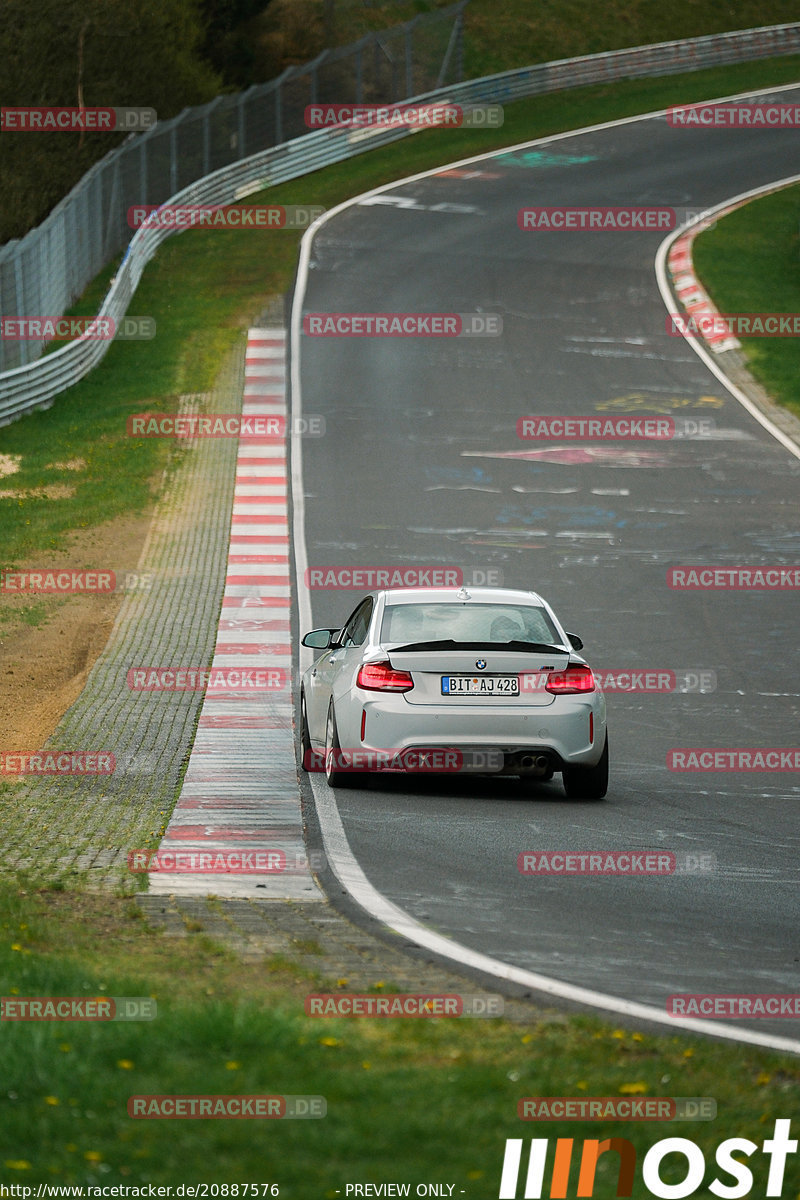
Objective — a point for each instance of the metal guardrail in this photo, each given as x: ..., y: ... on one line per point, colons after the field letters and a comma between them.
x: 37, y: 384
x: 44, y: 271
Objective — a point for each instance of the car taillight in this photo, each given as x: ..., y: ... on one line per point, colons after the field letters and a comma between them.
x: 382, y: 677
x: 574, y: 679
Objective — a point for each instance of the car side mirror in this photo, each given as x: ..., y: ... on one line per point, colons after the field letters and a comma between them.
x: 575, y: 641
x: 319, y: 639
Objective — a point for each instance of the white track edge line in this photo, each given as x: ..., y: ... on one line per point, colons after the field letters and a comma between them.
x: 352, y: 877
x: 337, y: 848
x: 661, y: 270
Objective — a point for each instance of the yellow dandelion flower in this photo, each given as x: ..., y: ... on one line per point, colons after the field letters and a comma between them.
x: 632, y: 1089
x: 125, y: 1064
x: 763, y: 1078
x: 329, y: 1041
x: 93, y: 1156
x: 17, y: 1164
x: 52, y: 1100
x: 233, y: 1066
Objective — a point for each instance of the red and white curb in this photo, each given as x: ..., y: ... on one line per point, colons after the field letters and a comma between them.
x: 239, y: 806
x: 686, y: 285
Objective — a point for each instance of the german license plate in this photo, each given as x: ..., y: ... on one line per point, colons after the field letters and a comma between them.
x: 480, y: 685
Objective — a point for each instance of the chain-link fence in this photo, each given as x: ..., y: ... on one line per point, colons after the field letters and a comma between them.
x: 36, y: 384
x: 44, y: 272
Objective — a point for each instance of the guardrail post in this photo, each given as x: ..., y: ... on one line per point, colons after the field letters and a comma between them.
x: 313, y: 69
x: 144, y: 145
x: 21, y: 307
x: 409, y: 48
x: 279, y: 82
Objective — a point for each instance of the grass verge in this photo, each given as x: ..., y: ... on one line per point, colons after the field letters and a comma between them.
x: 750, y: 263
x: 401, y: 1095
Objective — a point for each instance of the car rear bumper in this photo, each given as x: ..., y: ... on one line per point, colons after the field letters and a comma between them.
x: 561, y: 732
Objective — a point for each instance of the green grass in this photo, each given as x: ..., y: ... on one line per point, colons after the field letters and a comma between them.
x: 34, y: 614
x: 516, y: 32
x: 203, y: 289
x: 750, y: 263
x: 416, y: 1101
x: 427, y: 1101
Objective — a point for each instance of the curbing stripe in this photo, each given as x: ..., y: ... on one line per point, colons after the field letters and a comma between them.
x: 242, y: 773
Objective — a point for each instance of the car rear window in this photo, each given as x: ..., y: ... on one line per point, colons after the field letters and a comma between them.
x: 405, y: 623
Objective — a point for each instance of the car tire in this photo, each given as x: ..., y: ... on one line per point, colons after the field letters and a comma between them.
x: 306, y: 749
x: 335, y: 776
x: 587, y: 783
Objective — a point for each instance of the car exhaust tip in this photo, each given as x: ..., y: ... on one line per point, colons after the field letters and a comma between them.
x: 535, y: 764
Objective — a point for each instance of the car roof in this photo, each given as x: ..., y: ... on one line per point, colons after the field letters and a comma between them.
x: 441, y: 595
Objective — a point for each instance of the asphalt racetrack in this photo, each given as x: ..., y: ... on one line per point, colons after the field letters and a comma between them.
x: 421, y: 465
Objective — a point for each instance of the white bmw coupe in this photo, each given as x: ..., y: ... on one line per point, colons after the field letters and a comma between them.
x: 479, y: 680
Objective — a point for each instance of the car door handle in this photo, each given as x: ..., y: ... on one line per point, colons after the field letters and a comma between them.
x: 313, y: 673
x: 332, y: 660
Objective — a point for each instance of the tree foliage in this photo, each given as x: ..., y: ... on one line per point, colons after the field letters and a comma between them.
x: 102, y: 52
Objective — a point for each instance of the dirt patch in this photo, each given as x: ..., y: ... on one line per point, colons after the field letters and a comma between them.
x: 50, y: 491
x: 9, y: 463
x: 72, y: 464
x: 49, y: 644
